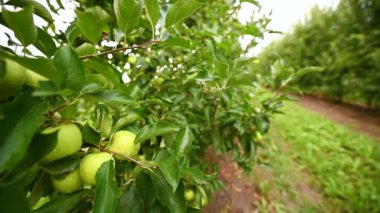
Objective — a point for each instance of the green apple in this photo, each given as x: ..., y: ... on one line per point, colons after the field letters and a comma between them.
x: 69, y: 142
x: 33, y: 79
x: 189, y: 195
x: 67, y: 183
x: 259, y: 137
x: 123, y: 142
x: 90, y: 165
x: 13, y: 79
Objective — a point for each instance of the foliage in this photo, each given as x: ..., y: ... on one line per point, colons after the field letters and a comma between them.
x: 175, y: 77
x: 345, y: 164
x: 344, y: 42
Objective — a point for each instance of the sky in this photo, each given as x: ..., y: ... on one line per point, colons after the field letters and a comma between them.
x: 285, y: 13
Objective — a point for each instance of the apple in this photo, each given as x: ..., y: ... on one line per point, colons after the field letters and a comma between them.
x: 123, y: 142
x: 259, y: 137
x: 33, y: 79
x: 189, y: 195
x: 69, y: 141
x: 13, y: 80
x: 67, y: 183
x: 90, y: 165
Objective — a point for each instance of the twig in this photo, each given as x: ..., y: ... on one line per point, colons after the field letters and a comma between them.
x: 129, y: 158
x: 143, y: 45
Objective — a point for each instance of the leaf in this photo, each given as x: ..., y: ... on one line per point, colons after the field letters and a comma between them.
x: 85, y: 49
x: 90, y: 135
x: 103, y: 67
x: 175, y: 201
x: 69, y: 64
x: 41, y: 66
x: 193, y: 173
x: 183, y: 141
x: 92, y: 22
x: 39, y: 9
x: 114, y: 96
x: 181, y: 10
x: 170, y: 169
x: 153, y: 11
x: 124, y: 121
x: 107, y: 193
x: 13, y: 199
x: 62, y: 165
x: 45, y: 43
x: 177, y: 41
x: 22, y: 24
x: 127, y: 14
x: 154, y: 130
x: 130, y: 201
x: 21, y: 120
x: 144, y: 187
x: 62, y: 203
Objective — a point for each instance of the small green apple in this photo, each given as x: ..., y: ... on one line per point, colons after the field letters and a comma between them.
x: 33, y: 79
x: 67, y: 183
x: 123, y: 142
x: 90, y: 165
x: 259, y: 137
x: 13, y: 80
x: 69, y: 142
x: 189, y: 195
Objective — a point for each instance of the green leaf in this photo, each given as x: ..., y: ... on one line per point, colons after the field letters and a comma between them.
x: 72, y: 33
x: 45, y: 43
x: 124, y: 121
x: 127, y: 14
x: 41, y: 66
x: 13, y: 199
x: 22, y: 24
x: 154, y: 130
x: 114, y: 96
x: 39, y: 9
x: 62, y: 203
x: 92, y: 22
x: 182, y: 142
x: 181, y: 10
x: 175, y: 201
x: 177, y: 41
x: 103, y: 67
x: 254, y: 2
x: 62, y: 165
x: 85, y: 49
x: 130, y: 201
x: 90, y: 135
x: 193, y: 173
x: 144, y: 187
x: 107, y: 193
x: 21, y: 120
x: 68, y: 63
x: 47, y: 88
x: 170, y: 169
x: 153, y: 11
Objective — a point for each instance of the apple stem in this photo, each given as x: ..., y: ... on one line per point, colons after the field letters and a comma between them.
x: 131, y: 159
x: 143, y: 45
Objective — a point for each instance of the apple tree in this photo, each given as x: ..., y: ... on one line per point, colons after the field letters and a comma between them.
x: 115, y: 113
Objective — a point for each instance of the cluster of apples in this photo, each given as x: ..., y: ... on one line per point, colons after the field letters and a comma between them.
x: 14, y: 77
x: 69, y: 142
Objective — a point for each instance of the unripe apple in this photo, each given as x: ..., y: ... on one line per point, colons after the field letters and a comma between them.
x: 11, y: 83
x: 259, y: 137
x: 189, y: 195
x: 67, y: 183
x: 33, y: 79
x: 123, y: 142
x: 90, y: 165
x: 69, y: 142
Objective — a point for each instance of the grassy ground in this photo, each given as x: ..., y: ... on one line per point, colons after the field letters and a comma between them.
x: 318, y: 166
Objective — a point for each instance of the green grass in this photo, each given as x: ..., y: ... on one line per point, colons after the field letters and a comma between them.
x: 343, y: 164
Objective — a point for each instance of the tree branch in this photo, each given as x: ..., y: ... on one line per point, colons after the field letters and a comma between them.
x: 129, y: 158
x: 143, y: 45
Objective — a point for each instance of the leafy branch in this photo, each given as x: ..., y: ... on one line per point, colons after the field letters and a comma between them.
x: 143, y: 45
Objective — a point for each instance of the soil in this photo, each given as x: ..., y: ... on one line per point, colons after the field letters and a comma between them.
x: 358, y: 118
x: 241, y: 195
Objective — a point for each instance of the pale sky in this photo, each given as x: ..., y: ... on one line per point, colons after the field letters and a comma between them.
x: 284, y: 14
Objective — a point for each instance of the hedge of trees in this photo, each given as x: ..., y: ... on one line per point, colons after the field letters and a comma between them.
x: 344, y: 42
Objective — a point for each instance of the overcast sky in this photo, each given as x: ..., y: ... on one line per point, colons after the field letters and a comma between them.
x: 284, y: 14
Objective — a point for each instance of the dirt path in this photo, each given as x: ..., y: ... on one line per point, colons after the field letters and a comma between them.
x: 363, y: 120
